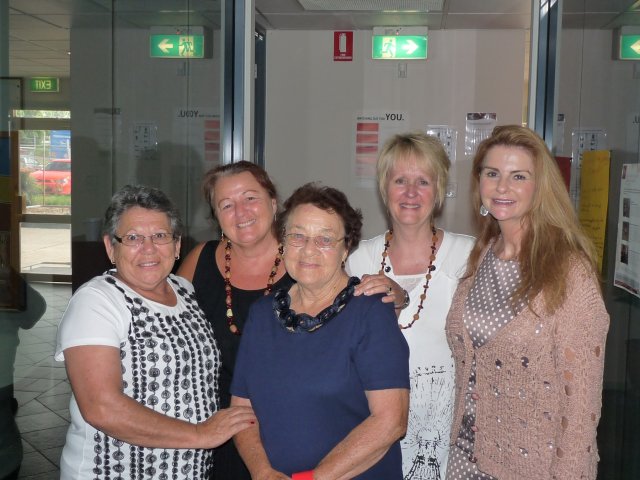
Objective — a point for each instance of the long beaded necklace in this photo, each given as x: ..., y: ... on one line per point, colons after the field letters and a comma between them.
x: 430, y: 269
x: 233, y: 328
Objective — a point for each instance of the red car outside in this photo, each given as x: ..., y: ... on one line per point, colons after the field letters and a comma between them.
x: 55, y: 178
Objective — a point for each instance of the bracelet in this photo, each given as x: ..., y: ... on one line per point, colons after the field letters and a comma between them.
x: 308, y: 475
x: 406, y: 302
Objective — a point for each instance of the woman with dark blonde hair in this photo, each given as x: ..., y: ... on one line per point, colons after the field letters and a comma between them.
x: 229, y: 274
x: 527, y: 325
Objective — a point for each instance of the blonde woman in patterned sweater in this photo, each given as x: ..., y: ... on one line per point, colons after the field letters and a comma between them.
x: 527, y: 325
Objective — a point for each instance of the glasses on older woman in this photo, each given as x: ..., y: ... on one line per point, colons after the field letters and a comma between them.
x: 135, y: 240
x: 323, y: 242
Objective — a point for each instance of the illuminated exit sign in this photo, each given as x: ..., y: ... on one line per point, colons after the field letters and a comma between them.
x: 629, y: 47
x: 176, y: 46
x: 399, y: 47
x: 44, y: 84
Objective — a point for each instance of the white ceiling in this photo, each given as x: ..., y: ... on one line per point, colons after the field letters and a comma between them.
x: 39, y: 29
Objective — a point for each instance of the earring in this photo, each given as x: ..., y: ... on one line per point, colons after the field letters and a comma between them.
x: 178, y: 257
x: 483, y: 211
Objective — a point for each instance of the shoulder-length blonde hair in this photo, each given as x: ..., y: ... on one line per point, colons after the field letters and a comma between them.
x: 552, y: 235
x: 427, y: 151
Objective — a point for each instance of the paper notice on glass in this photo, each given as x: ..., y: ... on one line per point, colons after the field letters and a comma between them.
x: 627, y: 273
x: 478, y: 127
x: 448, y: 135
x: 594, y: 195
x: 372, y: 131
x: 200, y: 129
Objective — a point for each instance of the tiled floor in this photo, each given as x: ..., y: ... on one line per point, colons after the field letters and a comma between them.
x: 42, y: 389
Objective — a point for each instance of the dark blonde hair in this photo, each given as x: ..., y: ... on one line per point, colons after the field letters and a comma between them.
x: 260, y: 174
x: 552, y: 235
x: 212, y: 176
x: 427, y: 151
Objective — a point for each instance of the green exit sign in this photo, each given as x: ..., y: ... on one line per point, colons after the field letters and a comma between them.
x: 399, y: 47
x: 177, y: 46
x: 44, y: 84
x: 629, y: 47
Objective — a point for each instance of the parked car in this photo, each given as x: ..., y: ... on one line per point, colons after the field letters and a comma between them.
x: 55, y: 177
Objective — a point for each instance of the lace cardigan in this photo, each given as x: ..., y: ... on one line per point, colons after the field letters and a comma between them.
x: 539, y: 382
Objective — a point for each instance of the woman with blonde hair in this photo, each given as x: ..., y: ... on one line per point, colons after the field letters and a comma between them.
x: 417, y: 266
x: 527, y: 325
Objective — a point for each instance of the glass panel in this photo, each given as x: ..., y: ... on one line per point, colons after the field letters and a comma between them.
x: 599, y: 107
x: 45, y: 171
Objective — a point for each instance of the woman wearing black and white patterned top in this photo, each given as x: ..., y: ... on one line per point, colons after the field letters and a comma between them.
x: 141, y: 357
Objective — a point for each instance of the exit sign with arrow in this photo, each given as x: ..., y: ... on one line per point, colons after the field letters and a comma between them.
x: 629, y: 47
x: 399, y: 47
x: 176, y: 46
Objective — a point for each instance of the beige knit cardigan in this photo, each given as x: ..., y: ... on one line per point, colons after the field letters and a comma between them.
x: 539, y: 381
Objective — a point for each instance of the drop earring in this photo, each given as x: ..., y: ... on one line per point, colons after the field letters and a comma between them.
x: 483, y: 211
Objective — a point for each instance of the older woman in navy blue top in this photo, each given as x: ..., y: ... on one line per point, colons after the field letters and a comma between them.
x: 325, y: 372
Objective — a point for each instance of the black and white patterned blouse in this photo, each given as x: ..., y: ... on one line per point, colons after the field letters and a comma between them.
x: 170, y: 364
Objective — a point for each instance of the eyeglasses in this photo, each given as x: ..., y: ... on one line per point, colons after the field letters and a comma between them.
x: 135, y: 240
x: 323, y: 242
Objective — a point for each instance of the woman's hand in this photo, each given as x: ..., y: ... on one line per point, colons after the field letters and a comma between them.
x: 379, y: 283
x: 251, y: 449
x: 224, y: 424
x: 271, y: 475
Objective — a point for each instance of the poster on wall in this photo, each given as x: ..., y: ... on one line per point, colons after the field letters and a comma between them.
x: 594, y: 194
x: 627, y: 272
x: 479, y: 126
x: 448, y: 135
x: 372, y: 130
x: 200, y: 129
x: 583, y: 140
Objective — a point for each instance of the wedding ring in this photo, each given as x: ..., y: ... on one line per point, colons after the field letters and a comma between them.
x: 389, y: 290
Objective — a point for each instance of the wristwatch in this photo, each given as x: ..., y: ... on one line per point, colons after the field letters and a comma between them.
x: 406, y: 302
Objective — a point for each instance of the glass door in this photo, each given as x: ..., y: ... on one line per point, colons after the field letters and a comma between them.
x: 599, y: 109
x: 46, y: 188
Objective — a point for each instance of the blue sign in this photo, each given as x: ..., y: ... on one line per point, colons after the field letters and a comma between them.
x: 60, y: 146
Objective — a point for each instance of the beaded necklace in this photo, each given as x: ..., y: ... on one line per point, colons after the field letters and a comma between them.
x: 233, y: 328
x: 430, y: 268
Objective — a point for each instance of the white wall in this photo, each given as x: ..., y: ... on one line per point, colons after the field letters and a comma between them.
x: 312, y: 102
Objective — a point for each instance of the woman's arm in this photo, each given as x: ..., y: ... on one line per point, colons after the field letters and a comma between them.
x: 368, y: 442
x: 579, y: 352
x: 251, y: 450
x: 96, y: 380
x: 188, y: 265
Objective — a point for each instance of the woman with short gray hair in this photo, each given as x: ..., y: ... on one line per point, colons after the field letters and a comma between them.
x: 141, y: 357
